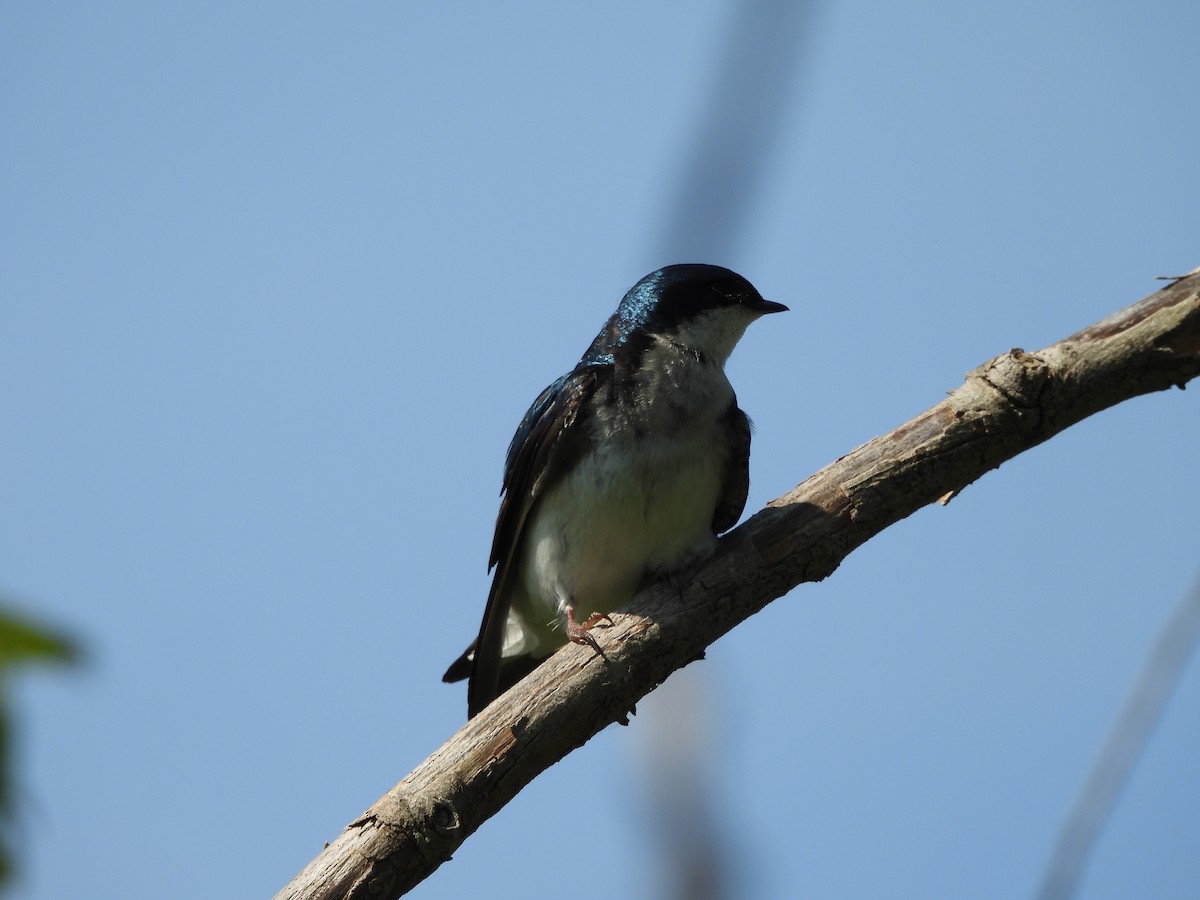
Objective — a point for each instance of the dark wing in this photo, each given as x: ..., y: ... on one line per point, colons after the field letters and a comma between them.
x: 736, y: 486
x: 506, y: 528
x: 549, y: 440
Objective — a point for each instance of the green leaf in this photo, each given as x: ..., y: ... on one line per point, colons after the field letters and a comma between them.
x: 21, y: 641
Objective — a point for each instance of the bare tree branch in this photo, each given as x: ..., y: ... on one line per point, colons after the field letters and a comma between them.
x: 1007, y: 405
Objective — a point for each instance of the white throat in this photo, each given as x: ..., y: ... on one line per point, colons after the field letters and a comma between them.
x: 714, y: 334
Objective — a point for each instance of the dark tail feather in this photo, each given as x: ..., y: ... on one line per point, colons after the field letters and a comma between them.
x: 460, y: 669
x: 512, y: 671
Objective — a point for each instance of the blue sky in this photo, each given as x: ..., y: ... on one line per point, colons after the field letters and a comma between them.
x: 279, y: 281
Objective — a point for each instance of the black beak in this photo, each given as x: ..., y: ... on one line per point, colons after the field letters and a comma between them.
x: 767, y: 306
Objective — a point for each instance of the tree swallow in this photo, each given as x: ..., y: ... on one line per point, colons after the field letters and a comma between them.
x: 624, y: 470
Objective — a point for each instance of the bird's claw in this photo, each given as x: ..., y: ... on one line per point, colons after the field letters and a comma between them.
x: 577, y: 632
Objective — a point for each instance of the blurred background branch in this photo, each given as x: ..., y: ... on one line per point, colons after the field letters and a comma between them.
x: 1122, y: 749
x: 758, y: 73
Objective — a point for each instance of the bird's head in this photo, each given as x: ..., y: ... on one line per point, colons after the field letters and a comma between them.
x: 701, y: 307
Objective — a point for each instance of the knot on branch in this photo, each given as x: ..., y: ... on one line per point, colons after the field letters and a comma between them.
x: 1005, y: 394
x: 428, y: 825
x: 1017, y: 376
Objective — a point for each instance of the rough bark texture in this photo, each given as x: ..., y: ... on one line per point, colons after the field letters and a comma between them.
x: 1007, y: 405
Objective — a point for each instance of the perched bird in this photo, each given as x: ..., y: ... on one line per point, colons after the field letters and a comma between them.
x: 623, y: 470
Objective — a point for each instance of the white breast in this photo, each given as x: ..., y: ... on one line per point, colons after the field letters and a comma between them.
x: 639, y: 506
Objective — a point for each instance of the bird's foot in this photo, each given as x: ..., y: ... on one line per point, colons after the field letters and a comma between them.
x: 577, y: 632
